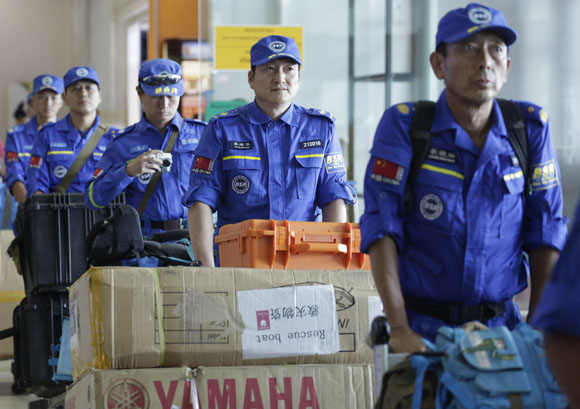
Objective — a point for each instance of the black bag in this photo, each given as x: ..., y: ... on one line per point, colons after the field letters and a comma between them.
x: 116, y: 238
x: 15, y: 250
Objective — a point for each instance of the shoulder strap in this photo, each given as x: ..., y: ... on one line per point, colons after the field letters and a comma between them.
x: 421, y: 138
x: 157, y: 175
x: 517, y: 136
x: 81, y: 158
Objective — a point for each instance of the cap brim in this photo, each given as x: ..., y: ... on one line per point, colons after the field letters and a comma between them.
x: 58, y: 91
x: 508, y: 35
x: 175, y: 90
x: 275, y: 57
x: 82, y: 79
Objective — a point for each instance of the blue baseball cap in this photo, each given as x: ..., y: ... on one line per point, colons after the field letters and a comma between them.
x: 272, y: 47
x: 461, y: 23
x: 161, y: 77
x: 47, y: 81
x: 80, y: 73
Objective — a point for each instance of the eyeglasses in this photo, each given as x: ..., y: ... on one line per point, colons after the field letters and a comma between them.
x: 157, y: 80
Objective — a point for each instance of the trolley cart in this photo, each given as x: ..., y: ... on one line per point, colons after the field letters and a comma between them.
x: 379, y: 337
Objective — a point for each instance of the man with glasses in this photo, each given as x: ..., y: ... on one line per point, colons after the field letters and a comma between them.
x: 456, y: 252
x: 270, y: 159
x: 66, y: 153
x: 46, y: 101
x: 156, y: 151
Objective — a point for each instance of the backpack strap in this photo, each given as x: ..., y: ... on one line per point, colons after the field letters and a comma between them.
x: 421, y: 138
x: 81, y: 159
x: 157, y: 175
x: 517, y: 136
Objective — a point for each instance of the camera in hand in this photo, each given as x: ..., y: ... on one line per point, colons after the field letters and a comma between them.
x: 167, y: 160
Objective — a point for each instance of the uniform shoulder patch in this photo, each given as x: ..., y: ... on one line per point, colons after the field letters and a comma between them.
x: 227, y: 114
x: 123, y: 131
x: 533, y: 112
x: 405, y: 108
x: 46, y: 125
x: 16, y: 128
x: 320, y: 112
x: 195, y: 121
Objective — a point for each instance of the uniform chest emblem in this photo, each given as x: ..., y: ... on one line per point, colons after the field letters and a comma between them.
x: 144, y: 178
x: 431, y: 206
x: 59, y: 171
x: 240, y: 184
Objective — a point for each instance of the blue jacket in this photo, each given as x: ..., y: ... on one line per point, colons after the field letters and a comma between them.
x: 54, y: 151
x: 251, y: 167
x: 19, y: 142
x: 462, y: 241
x: 111, y: 179
x: 558, y: 309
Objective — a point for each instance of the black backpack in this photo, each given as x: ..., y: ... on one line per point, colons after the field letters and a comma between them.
x: 421, y: 138
x: 115, y: 238
x: 120, y: 238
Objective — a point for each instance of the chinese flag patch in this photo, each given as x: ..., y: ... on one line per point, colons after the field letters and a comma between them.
x: 387, y: 172
x: 35, y: 161
x: 203, y: 165
x: 97, y: 173
x: 11, y: 156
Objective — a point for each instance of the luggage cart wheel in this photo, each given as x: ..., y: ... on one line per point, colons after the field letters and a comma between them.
x: 380, y: 331
x: 380, y: 335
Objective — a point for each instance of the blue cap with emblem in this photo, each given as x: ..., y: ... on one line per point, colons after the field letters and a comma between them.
x: 272, y: 47
x: 161, y: 77
x: 79, y: 74
x: 47, y: 81
x: 458, y: 24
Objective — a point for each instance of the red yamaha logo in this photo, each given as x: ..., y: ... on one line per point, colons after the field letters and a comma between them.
x: 127, y: 393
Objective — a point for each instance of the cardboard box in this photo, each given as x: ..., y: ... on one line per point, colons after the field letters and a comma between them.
x: 259, y: 387
x: 123, y: 317
x: 11, y: 292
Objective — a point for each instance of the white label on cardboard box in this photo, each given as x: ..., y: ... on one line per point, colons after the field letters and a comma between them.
x: 74, y: 328
x: 375, y: 308
x: 288, y: 321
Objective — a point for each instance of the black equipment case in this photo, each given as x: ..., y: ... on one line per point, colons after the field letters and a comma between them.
x: 37, y: 329
x: 55, y: 228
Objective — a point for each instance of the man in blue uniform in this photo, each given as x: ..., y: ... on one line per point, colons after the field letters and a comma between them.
x: 270, y: 159
x: 58, y: 144
x: 458, y: 254
x: 130, y: 161
x: 46, y: 101
x: 557, y: 315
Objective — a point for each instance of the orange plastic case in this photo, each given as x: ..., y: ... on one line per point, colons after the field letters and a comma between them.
x: 282, y: 244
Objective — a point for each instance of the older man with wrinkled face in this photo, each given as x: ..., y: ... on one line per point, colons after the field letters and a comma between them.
x: 447, y: 244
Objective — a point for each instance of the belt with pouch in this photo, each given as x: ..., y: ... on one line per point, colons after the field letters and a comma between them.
x: 455, y: 313
x: 165, y: 225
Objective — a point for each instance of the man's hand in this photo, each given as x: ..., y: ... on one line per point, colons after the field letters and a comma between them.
x: 404, y: 339
x: 147, y: 162
x: 19, y: 191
